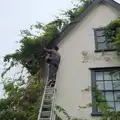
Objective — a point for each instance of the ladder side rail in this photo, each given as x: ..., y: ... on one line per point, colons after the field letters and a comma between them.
x: 53, y: 104
x: 40, y: 110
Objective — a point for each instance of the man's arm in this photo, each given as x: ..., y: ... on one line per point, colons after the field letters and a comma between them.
x: 49, y: 51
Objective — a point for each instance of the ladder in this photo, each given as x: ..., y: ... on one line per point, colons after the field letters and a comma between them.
x: 46, y: 111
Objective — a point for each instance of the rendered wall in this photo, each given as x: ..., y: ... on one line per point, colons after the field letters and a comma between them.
x: 74, y: 74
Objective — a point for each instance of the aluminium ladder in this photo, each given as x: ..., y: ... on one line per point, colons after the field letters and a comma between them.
x: 46, y: 111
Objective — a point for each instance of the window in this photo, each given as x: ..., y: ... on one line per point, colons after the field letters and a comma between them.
x: 100, y: 41
x: 107, y: 82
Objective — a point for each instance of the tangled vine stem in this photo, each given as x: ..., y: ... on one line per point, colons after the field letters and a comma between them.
x: 86, y: 89
x: 112, y: 32
x: 59, y: 110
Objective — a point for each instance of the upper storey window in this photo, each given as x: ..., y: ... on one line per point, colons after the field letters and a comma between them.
x: 101, y: 43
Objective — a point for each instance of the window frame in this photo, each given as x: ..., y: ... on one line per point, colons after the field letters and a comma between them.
x: 93, y: 84
x: 96, y: 43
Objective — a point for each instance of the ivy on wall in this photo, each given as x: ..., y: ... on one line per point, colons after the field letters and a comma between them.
x: 112, y: 32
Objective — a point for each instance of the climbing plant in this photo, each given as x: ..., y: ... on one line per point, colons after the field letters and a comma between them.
x: 107, y: 112
x: 21, y: 102
x: 23, y: 95
x: 59, y: 110
x: 112, y: 32
x: 31, y: 54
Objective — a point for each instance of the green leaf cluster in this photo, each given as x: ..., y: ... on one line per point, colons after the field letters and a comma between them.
x: 23, y: 97
x: 31, y: 54
x: 112, y: 32
x: 72, y: 14
x: 21, y: 102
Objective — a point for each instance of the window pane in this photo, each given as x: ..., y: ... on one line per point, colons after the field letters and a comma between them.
x: 114, y: 47
x: 98, y: 107
x: 111, y: 106
x: 116, y: 75
x: 101, y: 46
x: 100, y: 32
x: 116, y: 85
x: 101, y: 39
x: 99, y: 75
x: 109, y: 96
x: 108, y: 85
x: 107, y: 76
x: 100, y: 85
x: 100, y: 97
x: 99, y: 110
x: 117, y: 106
x: 109, y: 40
x: 117, y: 96
x: 108, y: 45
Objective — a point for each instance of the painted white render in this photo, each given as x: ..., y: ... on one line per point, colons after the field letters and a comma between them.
x: 74, y: 74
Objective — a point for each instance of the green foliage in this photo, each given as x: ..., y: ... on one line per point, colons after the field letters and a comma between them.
x: 59, y: 110
x: 102, y: 106
x: 31, y: 54
x: 21, y: 102
x: 112, y: 32
x: 107, y: 112
x: 22, y: 97
x: 72, y: 14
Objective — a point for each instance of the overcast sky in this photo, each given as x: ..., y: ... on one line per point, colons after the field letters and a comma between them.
x: 16, y: 15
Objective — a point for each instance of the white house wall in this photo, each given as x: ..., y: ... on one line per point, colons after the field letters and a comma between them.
x: 74, y: 74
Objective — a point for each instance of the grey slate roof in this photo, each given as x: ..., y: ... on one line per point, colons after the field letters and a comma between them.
x: 67, y: 30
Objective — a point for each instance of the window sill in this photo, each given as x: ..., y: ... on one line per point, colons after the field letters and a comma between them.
x: 96, y: 114
x: 105, y: 50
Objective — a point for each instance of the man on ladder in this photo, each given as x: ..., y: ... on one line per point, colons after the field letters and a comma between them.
x: 53, y: 60
x: 47, y: 105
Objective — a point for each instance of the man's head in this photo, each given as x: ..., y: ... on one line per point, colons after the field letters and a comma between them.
x: 56, y: 48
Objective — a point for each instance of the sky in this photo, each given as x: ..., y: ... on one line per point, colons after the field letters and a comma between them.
x: 17, y: 15
x: 20, y: 14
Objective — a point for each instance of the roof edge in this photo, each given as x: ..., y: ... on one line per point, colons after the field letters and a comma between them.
x: 113, y: 3
x: 69, y: 28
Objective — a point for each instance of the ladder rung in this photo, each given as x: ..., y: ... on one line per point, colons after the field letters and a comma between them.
x: 48, y: 96
x: 48, y: 100
x: 46, y: 108
x: 50, y: 88
x: 45, y: 114
x: 48, y: 93
x: 44, y: 119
